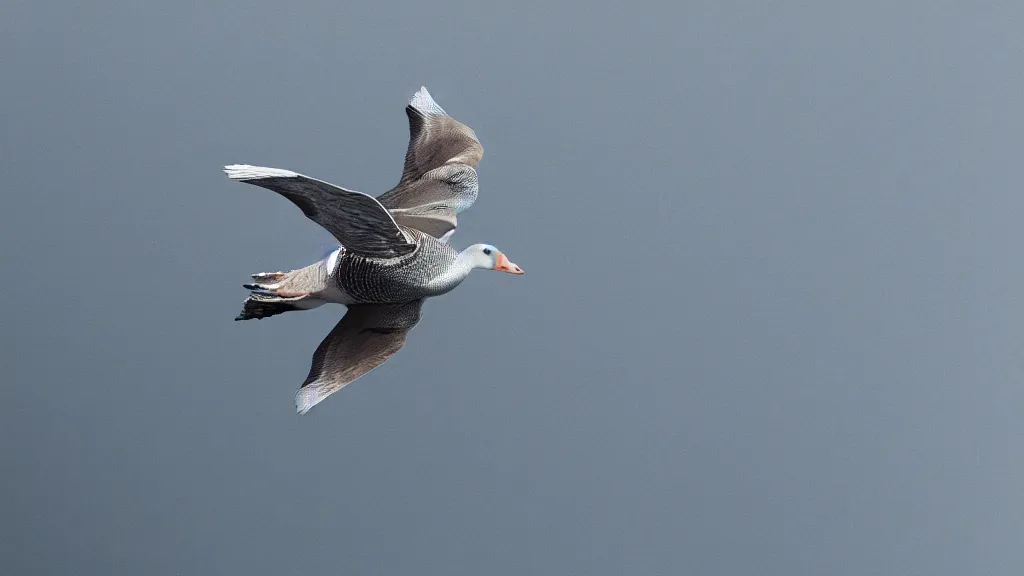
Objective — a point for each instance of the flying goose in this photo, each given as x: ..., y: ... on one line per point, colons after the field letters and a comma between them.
x: 393, y: 251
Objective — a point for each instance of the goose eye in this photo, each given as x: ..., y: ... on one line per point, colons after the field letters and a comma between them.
x: 487, y: 251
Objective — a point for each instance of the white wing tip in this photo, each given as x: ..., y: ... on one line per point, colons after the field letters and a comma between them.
x: 307, y: 397
x: 424, y: 102
x: 247, y: 172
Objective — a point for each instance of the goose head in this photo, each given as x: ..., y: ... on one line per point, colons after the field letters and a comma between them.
x: 489, y: 258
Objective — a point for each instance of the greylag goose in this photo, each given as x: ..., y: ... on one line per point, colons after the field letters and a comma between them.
x: 393, y: 251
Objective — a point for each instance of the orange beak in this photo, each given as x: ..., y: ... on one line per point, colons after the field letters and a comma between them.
x: 505, y: 265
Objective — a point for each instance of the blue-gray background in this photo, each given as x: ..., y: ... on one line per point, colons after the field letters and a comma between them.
x: 771, y: 321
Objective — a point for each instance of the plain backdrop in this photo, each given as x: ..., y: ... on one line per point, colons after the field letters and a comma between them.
x: 771, y: 321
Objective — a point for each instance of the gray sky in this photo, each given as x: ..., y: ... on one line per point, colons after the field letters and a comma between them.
x: 771, y: 322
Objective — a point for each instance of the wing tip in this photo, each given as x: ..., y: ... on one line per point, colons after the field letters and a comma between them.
x: 248, y: 172
x: 307, y: 397
x: 424, y: 103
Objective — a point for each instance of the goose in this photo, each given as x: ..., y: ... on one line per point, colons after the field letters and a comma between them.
x: 393, y: 250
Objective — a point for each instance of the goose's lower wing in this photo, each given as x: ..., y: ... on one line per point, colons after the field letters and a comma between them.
x: 366, y: 337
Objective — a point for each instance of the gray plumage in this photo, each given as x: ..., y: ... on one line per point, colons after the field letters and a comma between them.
x: 439, y: 179
x: 426, y: 272
x: 277, y: 292
x: 393, y: 252
x: 357, y: 220
x: 366, y: 337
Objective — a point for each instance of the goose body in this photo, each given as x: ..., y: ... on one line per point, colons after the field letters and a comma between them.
x: 432, y: 269
x: 393, y: 252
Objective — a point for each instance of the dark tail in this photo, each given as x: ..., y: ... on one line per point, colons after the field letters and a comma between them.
x: 259, y: 305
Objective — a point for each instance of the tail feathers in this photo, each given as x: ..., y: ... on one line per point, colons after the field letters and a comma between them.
x: 277, y: 292
x: 269, y: 277
x: 259, y: 305
x: 267, y: 282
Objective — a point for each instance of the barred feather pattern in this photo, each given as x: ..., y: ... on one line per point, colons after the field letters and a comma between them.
x: 403, y: 279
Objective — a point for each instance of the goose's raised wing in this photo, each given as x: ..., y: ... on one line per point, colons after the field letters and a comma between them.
x: 357, y: 220
x: 435, y: 138
x: 431, y: 203
x: 439, y: 179
x: 366, y: 337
